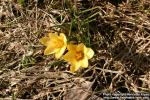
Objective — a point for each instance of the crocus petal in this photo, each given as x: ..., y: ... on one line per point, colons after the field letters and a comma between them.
x: 71, y: 47
x: 63, y: 37
x: 75, y: 66
x: 90, y: 53
x: 80, y: 47
x: 69, y: 56
x: 55, y: 43
x: 53, y: 35
x: 72, y: 69
x: 50, y: 50
x: 60, y: 52
x: 84, y: 62
x: 45, y: 41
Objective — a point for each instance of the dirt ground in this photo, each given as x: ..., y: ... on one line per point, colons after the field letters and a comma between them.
x: 118, y: 32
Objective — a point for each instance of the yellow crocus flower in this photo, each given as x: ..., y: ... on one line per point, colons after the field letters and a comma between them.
x: 78, y: 56
x: 54, y: 44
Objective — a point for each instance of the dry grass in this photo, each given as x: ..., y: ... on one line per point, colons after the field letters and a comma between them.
x: 119, y: 33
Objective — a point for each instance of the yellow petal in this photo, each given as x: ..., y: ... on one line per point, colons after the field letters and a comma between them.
x: 60, y: 52
x: 84, y: 62
x: 71, y: 47
x: 50, y: 50
x: 55, y: 43
x: 63, y: 37
x: 53, y: 35
x: 75, y: 67
x: 80, y: 47
x: 72, y: 69
x: 45, y: 40
x: 69, y: 56
x: 90, y: 53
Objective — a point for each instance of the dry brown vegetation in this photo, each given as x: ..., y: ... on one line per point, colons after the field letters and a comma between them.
x: 118, y: 32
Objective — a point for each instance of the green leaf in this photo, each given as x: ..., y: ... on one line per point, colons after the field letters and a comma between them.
x: 21, y: 2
